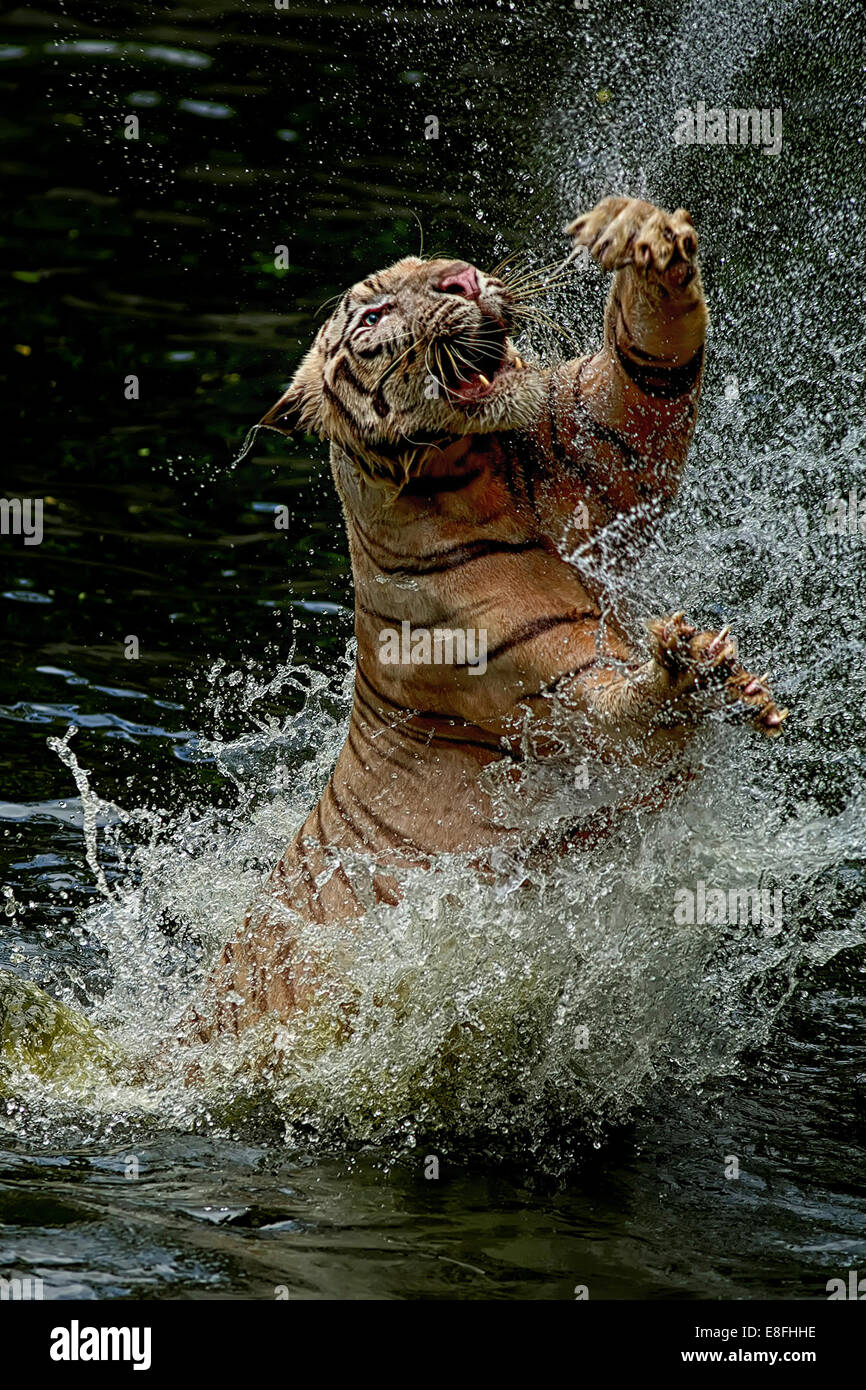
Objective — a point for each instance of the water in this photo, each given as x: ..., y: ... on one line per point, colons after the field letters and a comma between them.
x: 582, y: 1068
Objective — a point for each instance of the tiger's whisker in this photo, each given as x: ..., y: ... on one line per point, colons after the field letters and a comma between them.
x: 392, y: 366
x: 536, y: 316
x: 498, y: 269
x: 430, y: 372
x: 546, y: 282
x: 457, y: 370
x: 332, y: 299
x: 535, y: 272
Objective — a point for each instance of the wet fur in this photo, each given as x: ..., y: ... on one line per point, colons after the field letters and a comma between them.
x: 465, y: 509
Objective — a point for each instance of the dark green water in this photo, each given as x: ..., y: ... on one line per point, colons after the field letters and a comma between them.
x: 155, y: 258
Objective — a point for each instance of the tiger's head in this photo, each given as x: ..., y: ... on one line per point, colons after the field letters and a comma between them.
x: 412, y: 357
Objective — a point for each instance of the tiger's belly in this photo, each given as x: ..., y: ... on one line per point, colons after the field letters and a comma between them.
x: 473, y: 631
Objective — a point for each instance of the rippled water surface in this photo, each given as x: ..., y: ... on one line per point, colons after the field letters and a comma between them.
x: 130, y: 848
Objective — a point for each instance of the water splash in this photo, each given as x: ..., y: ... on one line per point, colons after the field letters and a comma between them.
x: 558, y: 998
x: 551, y: 1001
x: 91, y: 806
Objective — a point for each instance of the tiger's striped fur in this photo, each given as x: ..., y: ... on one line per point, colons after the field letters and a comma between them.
x: 461, y: 472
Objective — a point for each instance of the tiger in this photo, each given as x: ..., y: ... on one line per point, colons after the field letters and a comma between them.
x: 467, y: 476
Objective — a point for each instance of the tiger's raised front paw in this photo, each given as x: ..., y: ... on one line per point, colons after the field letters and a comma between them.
x: 705, y: 661
x: 619, y: 232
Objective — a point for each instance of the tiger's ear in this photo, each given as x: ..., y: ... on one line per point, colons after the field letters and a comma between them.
x: 299, y: 408
x: 285, y: 416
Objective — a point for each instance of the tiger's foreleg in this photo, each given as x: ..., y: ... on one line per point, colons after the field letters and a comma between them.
x: 656, y: 316
x: 641, y: 389
x: 687, y: 673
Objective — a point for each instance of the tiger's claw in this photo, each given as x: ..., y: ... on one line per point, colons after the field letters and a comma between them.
x: 699, y: 661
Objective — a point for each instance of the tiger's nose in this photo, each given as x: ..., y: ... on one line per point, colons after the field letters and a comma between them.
x: 463, y: 282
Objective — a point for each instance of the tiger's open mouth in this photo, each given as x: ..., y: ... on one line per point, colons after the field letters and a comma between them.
x: 471, y: 365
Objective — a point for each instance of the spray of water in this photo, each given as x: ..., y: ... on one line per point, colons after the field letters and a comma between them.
x: 555, y: 999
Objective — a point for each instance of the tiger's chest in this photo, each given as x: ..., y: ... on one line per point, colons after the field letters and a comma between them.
x: 468, y: 599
